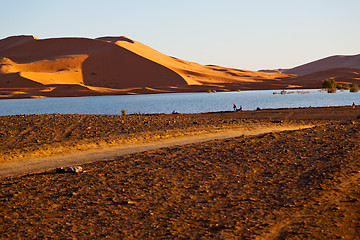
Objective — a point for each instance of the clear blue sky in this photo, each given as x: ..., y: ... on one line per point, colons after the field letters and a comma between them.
x: 252, y: 34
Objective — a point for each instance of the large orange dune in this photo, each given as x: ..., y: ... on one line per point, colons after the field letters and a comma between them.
x: 31, y: 67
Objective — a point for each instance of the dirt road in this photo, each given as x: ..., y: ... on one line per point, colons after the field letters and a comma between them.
x: 82, y: 157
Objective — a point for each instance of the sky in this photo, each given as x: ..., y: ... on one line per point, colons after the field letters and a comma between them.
x: 244, y: 34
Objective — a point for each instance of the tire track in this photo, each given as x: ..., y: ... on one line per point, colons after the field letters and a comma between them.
x: 41, y: 164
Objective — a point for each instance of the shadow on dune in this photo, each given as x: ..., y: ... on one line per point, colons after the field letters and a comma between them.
x: 117, y: 67
x: 14, y: 80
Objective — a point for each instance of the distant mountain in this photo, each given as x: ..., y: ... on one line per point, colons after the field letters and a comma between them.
x: 338, y: 61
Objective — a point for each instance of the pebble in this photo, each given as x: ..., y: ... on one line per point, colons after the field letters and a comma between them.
x: 74, y: 169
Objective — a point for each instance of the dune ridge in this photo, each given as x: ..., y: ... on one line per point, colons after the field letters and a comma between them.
x: 56, y: 67
x: 324, y: 64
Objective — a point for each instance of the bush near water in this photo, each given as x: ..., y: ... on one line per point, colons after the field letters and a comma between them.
x: 354, y: 87
x: 331, y: 86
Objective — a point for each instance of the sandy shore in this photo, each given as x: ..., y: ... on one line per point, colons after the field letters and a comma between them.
x: 301, y: 184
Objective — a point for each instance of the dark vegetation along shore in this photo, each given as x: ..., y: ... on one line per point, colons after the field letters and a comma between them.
x: 301, y: 184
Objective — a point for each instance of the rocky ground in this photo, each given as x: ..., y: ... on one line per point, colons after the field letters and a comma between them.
x: 288, y: 185
x: 26, y: 136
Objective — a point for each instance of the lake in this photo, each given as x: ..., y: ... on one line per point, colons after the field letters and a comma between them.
x: 180, y: 102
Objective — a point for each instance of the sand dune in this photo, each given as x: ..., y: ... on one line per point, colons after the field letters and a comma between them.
x: 338, y: 61
x: 342, y: 75
x: 30, y: 67
x: 95, y: 65
x: 193, y: 73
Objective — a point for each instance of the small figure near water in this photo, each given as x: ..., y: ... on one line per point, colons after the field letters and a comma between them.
x: 237, y: 109
x: 353, y: 105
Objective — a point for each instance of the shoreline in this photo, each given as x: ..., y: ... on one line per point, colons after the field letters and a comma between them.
x: 32, y: 136
x: 180, y: 113
x: 145, y: 91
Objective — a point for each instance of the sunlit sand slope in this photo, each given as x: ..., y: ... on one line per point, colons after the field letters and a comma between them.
x: 55, y: 67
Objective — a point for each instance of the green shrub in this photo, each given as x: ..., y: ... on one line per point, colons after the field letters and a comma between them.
x: 354, y: 87
x: 346, y: 86
x: 331, y: 90
x: 329, y: 83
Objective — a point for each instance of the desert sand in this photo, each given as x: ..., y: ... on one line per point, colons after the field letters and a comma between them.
x: 324, y: 64
x: 58, y: 67
x: 299, y: 184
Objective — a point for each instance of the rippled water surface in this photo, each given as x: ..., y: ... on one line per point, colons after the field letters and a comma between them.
x: 180, y: 102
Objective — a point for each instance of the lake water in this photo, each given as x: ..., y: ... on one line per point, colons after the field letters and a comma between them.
x: 180, y: 102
